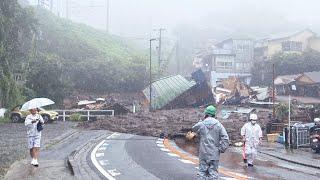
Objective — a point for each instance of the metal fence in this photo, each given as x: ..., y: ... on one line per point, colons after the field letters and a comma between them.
x: 85, y: 113
x: 301, y: 137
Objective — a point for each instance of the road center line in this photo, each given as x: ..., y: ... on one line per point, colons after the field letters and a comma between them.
x: 95, y: 162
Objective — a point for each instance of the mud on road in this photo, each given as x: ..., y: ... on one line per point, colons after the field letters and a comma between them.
x: 168, y: 122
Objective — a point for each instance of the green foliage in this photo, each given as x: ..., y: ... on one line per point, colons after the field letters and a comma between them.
x: 17, y: 28
x: 285, y: 64
x: 84, y: 59
x: 4, y: 120
x: 282, y: 111
x: 75, y: 117
x: 59, y: 56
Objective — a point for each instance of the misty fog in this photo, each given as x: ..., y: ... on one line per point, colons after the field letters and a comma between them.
x: 250, y: 18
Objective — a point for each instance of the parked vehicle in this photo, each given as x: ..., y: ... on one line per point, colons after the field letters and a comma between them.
x: 18, y: 116
x: 315, y: 138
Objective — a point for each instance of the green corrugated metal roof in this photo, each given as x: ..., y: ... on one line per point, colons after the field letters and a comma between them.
x: 167, y: 89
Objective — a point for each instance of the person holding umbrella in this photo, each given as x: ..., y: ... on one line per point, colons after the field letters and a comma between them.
x: 34, y: 122
x: 34, y: 135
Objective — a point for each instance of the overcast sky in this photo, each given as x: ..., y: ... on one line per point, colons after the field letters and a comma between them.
x: 137, y: 18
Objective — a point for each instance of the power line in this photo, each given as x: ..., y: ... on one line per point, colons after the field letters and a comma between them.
x: 107, y: 16
x: 159, y: 50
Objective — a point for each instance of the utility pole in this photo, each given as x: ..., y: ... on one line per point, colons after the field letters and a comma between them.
x: 178, y: 57
x: 150, y: 77
x: 107, y: 16
x: 289, y: 122
x: 51, y: 6
x: 67, y: 9
x: 273, y: 92
x: 159, y: 49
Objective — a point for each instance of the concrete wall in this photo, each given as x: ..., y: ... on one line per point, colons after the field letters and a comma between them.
x: 274, y: 47
x: 223, y: 59
x: 314, y: 44
x: 303, y: 37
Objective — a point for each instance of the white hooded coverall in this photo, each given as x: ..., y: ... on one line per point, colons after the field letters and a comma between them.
x: 252, y: 134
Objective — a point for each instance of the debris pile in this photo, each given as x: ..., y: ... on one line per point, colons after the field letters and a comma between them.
x: 170, y: 122
x: 234, y: 92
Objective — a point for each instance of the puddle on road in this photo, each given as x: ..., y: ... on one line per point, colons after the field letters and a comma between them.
x: 230, y: 160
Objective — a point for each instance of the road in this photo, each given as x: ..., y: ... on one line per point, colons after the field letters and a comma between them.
x: 107, y: 155
x: 124, y: 157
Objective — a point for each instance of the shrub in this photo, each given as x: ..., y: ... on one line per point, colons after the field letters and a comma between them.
x: 75, y: 117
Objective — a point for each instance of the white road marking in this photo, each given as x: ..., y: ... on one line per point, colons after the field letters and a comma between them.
x: 172, y: 154
x: 160, y: 145
x: 104, y: 162
x: 227, y: 178
x: 102, y: 148
x: 114, y: 172
x: 164, y: 149
x: 99, y: 154
x: 160, y: 139
x: 105, y: 144
x: 186, y: 161
x: 95, y: 162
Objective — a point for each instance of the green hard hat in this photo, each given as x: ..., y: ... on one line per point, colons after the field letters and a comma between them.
x: 210, y: 110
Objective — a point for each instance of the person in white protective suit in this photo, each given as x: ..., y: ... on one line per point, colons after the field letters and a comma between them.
x: 252, y: 137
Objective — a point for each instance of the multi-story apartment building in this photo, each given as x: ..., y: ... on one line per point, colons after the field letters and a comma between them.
x: 243, y: 50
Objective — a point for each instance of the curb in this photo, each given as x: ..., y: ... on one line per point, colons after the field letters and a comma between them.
x: 289, y: 160
x: 72, y: 158
x: 61, y: 138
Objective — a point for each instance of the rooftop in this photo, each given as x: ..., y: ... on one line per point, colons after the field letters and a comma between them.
x: 167, y: 89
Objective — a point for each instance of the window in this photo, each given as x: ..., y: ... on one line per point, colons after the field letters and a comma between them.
x: 17, y: 77
x: 291, y: 46
x: 224, y: 65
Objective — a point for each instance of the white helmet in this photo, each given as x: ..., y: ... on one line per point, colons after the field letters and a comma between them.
x: 317, y: 120
x: 253, y: 117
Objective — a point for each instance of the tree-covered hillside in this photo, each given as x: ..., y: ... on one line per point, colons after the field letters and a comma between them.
x: 57, y: 57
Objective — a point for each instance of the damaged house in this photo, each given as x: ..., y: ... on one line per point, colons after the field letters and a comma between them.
x: 305, y: 84
x: 177, y: 92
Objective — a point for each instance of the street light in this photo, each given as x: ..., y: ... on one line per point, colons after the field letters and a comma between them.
x: 150, y: 76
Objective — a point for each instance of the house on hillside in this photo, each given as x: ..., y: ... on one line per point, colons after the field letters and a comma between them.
x: 243, y: 50
x: 218, y: 65
x: 286, y: 43
x: 298, y: 84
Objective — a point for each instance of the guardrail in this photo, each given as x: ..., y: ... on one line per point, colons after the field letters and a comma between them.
x: 85, y: 113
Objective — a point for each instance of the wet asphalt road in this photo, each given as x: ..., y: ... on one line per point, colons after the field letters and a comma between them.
x: 128, y: 157
x: 136, y: 157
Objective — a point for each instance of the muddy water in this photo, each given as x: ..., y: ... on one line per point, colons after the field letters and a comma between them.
x: 231, y: 160
x: 188, y: 146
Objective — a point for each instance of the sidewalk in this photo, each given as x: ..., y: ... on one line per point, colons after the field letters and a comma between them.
x: 298, y: 156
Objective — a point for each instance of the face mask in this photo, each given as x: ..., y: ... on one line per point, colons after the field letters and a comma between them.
x: 253, y: 122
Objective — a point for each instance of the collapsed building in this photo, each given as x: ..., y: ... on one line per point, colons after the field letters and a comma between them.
x: 177, y: 92
x: 233, y: 91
